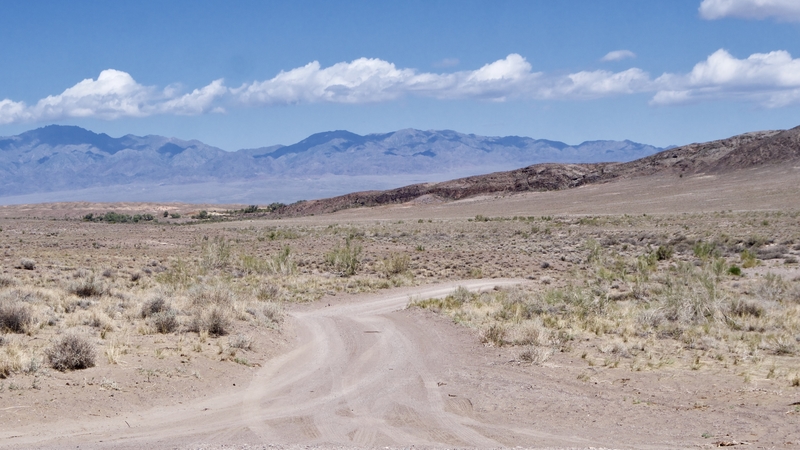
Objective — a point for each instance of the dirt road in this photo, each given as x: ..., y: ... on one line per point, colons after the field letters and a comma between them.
x: 357, y: 376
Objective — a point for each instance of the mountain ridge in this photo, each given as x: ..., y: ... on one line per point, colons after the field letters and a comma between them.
x: 58, y: 158
x: 740, y: 152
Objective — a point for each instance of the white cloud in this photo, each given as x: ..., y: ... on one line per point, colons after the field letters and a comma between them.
x: 373, y: 80
x: 782, y: 10
x: 771, y: 79
x: 618, y: 55
x: 112, y: 95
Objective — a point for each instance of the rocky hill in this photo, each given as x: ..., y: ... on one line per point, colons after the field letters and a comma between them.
x: 735, y: 153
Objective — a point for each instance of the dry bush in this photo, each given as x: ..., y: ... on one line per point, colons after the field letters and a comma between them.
x: 269, y: 312
x: 772, y: 288
x: 165, y: 321
x: 396, y: 264
x: 535, y: 355
x: 15, y: 317
x: 215, y: 322
x: 241, y: 341
x: 88, y: 287
x: 27, y: 264
x: 216, y: 253
x: 71, y: 352
x: 16, y: 357
x: 267, y: 292
x: 204, y: 295
x: 7, y: 281
x: 154, y: 306
x: 282, y: 263
x: 494, y: 334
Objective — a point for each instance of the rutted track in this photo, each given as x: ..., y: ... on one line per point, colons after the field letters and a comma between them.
x: 357, y: 376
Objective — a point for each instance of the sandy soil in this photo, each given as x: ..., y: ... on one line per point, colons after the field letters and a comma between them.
x: 366, y: 372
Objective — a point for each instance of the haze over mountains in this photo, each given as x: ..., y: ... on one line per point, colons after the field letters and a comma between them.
x: 62, y: 163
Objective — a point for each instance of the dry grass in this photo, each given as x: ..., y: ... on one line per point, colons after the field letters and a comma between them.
x: 646, y: 291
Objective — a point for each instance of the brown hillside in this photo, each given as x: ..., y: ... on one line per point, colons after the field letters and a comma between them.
x: 725, y: 155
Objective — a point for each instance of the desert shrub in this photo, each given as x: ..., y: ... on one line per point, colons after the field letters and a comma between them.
x: 664, y: 252
x: 216, y: 253
x: 395, y: 264
x: 215, y: 322
x: 71, y: 352
x: 6, y: 281
x: 345, y: 259
x: 15, y: 317
x: 218, y: 323
x: 705, y: 250
x: 462, y: 295
x: 693, y: 298
x: 748, y: 259
x: 735, y: 271
x: 27, y: 264
x: 241, y: 341
x: 267, y: 292
x: 87, y: 287
x: 165, y: 321
x: 740, y: 307
x: 771, y: 288
x: 269, y: 312
x: 535, y: 355
x: 203, y: 296
x: 154, y: 306
x: 250, y: 209
x: 495, y: 335
x: 282, y: 262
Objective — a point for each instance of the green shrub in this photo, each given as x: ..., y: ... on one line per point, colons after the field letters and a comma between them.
x: 735, y: 270
x: 345, y: 259
x: 705, y: 250
x: 748, y: 259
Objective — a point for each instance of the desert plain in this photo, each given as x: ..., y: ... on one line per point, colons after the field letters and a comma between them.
x: 650, y: 312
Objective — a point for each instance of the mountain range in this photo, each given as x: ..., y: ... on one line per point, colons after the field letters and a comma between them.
x: 57, y: 163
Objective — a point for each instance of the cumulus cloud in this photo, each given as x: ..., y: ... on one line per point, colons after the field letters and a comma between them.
x: 782, y: 10
x: 771, y: 79
x: 373, y: 80
x: 112, y: 95
x: 618, y: 55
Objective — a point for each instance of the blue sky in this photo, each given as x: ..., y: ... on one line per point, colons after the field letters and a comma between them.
x: 254, y: 73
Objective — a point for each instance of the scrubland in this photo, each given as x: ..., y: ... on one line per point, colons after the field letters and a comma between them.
x: 124, y: 305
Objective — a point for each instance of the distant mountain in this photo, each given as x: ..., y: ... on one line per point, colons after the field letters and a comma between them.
x: 67, y: 158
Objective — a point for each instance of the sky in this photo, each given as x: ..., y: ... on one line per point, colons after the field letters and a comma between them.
x: 246, y: 74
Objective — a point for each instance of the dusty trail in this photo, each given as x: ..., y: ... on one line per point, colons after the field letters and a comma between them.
x: 357, y: 377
